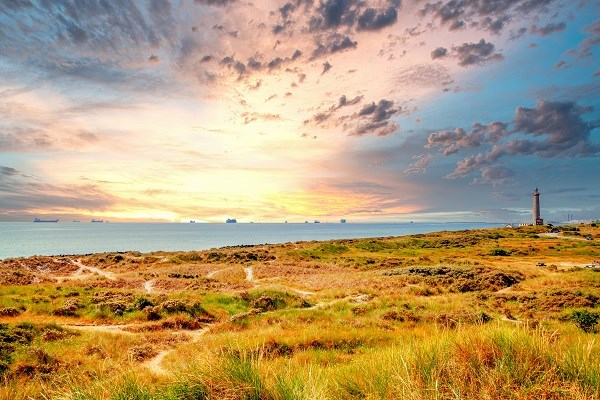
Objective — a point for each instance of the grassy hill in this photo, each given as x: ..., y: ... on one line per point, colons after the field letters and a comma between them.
x: 480, y: 314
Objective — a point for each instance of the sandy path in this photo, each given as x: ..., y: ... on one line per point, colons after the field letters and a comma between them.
x: 101, y: 328
x: 559, y: 236
x: 149, y: 286
x: 154, y: 364
x: 302, y: 292
x: 108, y: 275
x: 249, y: 274
x: 212, y: 274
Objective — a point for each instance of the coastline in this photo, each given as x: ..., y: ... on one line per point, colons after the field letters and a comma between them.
x: 28, y: 239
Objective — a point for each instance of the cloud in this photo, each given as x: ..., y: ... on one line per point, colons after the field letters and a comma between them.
x: 476, y: 53
x: 374, y: 118
x: 217, y: 3
x: 560, y: 65
x: 490, y: 15
x: 496, y: 175
x: 439, y: 52
x: 585, y: 47
x: 256, y: 116
x: 23, y: 193
x: 335, y: 43
x: 423, y: 76
x: 326, y: 67
x: 333, y: 13
x: 549, y: 130
x: 371, y: 20
x: 548, y: 29
x: 9, y: 171
x: 420, y: 165
x: 342, y: 102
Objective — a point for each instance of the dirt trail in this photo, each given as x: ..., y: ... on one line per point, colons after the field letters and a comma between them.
x: 149, y: 286
x: 212, y: 274
x: 79, y: 273
x: 154, y: 364
x: 119, y: 329
x: 302, y: 292
x: 249, y: 274
x: 559, y: 236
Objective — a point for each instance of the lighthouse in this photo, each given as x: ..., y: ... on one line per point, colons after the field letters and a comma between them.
x: 537, y: 220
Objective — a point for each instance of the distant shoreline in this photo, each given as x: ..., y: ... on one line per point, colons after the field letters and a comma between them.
x: 29, y: 239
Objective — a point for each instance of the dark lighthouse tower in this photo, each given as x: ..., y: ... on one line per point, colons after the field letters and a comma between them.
x: 537, y: 220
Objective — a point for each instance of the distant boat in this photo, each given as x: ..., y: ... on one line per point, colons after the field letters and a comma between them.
x: 317, y: 221
x: 306, y: 222
x: 44, y: 220
x: 75, y: 220
x: 192, y: 222
x: 343, y: 221
x: 231, y: 221
x: 97, y: 220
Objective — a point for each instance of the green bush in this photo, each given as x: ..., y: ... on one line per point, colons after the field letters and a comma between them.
x: 499, y: 252
x: 585, y: 319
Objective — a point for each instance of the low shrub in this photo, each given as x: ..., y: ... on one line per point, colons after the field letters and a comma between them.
x: 585, y: 320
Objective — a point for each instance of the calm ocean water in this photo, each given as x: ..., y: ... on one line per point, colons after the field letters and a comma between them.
x: 23, y: 239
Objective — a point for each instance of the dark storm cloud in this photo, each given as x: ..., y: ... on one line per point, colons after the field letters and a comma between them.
x: 206, y: 58
x: 490, y: 15
x: 548, y: 29
x: 439, y: 52
x: 475, y: 53
x: 549, y: 130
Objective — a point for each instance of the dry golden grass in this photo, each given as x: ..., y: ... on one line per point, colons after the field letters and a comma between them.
x: 446, y: 315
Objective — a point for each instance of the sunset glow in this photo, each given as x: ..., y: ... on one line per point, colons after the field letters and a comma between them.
x: 167, y: 110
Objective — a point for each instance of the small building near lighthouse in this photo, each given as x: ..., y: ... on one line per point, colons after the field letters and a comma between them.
x: 537, y: 219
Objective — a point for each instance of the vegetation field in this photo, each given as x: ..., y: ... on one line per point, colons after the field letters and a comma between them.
x: 509, y: 313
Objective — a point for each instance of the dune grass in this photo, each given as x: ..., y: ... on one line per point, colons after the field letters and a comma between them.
x: 447, y: 315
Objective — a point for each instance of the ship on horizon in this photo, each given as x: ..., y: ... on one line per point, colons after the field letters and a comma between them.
x: 231, y: 221
x: 97, y: 220
x: 44, y: 220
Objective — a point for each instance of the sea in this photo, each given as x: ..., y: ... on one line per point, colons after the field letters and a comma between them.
x: 25, y: 239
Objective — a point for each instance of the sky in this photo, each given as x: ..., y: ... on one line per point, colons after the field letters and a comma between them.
x: 272, y: 111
